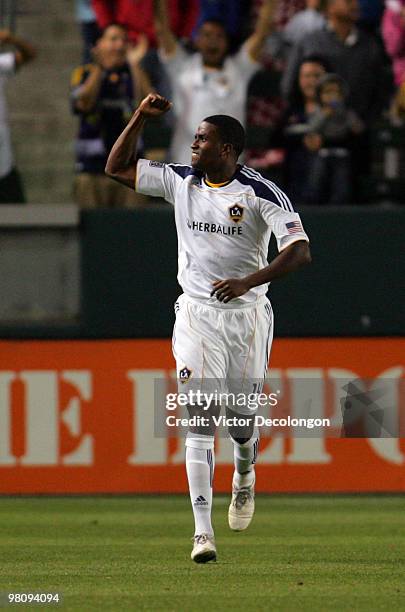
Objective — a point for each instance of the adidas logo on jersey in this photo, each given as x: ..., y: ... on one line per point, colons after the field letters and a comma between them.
x: 200, y: 501
x: 236, y: 213
x: 184, y: 375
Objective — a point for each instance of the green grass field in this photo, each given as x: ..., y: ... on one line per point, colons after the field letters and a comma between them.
x: 132, y: 553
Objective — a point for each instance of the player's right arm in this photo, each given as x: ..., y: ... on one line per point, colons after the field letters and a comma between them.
x: 121, y: 165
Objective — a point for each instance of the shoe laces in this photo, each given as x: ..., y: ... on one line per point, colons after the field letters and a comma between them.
x: 242, y: 497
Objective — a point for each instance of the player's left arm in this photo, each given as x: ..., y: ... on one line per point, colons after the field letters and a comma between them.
x: 255, y: 43
x: 291, y: 258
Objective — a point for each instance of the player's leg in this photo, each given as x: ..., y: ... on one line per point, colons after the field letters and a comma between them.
x: 199, y: 361
x: 245, y: 440
x: 200, y: 473
x: 247, y: 372
x: 200, y: 464
x: 245, y: 446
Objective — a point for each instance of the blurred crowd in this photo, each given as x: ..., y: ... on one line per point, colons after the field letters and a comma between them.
x: 309, y: 79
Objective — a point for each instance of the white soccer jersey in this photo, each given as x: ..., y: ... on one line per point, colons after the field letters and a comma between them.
x: 223, y: 232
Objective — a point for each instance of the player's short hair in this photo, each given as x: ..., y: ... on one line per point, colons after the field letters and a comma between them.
x: 230, y: 131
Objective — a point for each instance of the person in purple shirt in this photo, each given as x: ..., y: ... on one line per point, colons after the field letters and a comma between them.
x: 104, y: 95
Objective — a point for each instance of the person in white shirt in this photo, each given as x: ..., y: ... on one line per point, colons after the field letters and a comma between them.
x: 225, y: 214
x: 305, y: 22
x: 210, y: 81
x: 11, y: 190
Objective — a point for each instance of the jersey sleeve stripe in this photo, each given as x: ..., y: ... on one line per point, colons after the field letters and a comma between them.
x: 281, y: 199
x: 183, y: 171
x: 282, y: 196
x: 260, y: 188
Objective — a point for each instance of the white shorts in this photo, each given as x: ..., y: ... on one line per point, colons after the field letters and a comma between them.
x: 222, y: 349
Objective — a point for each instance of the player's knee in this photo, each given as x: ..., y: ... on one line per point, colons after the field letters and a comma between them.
x: 201, y: 410
x: 246, y: 438
x: 201, y: 421
x: 241, y: 434
x: 240, y: 441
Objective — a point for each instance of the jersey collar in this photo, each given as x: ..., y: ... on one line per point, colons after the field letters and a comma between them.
x: 225, y: 183
x: 217, y: 184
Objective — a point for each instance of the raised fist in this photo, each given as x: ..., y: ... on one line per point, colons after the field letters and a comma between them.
x: 154, y: 105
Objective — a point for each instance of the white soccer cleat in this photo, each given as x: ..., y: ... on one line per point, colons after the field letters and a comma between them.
x: 242, y: 507
x: 204, y: 549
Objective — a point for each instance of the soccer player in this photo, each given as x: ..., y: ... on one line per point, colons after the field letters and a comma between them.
x: 225, y: 214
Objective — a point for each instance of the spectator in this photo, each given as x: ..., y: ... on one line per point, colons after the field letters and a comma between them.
x: 353, y: 54
x: 88, y: 25
x: 11, y: 189
x: 393, y: 32
x: 284, y: 11
x: 371, y: 12
x: 233, y: 14
x: 303, y: 104
x: 305, y: 22
x: 210, y: 81
x: 138, y: 18
x: 104, y: 95
x: 331, y: 129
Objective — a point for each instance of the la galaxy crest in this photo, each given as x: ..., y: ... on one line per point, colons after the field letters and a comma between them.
x: 236, y: 213
x: 185, y: 375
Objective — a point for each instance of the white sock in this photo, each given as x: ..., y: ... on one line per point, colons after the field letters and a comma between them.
x: 200, y: 471
x: 244, y: 459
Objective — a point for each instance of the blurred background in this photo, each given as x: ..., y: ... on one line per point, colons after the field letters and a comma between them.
x: 63, y: 34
